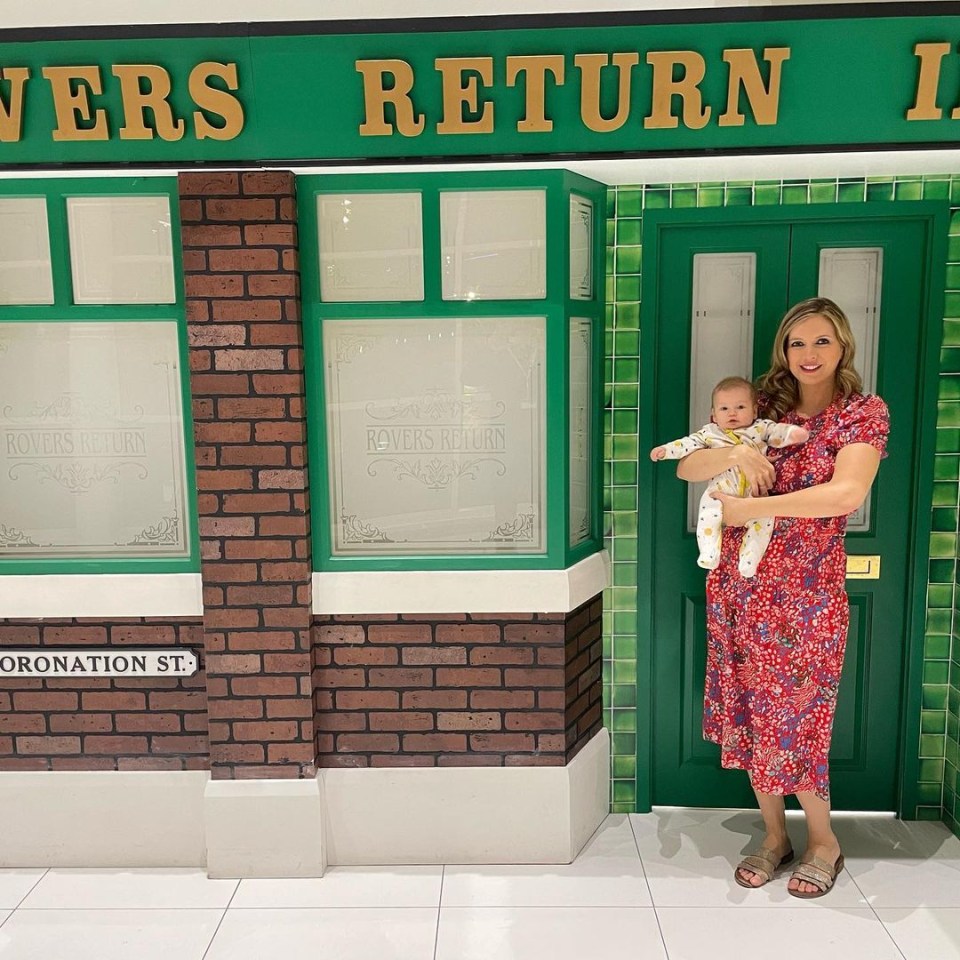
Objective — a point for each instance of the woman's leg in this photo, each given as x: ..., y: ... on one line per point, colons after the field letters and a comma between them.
x: 775, y: 822
x: 821, y: 840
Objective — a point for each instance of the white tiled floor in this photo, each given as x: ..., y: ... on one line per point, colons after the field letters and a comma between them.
x: 647, y: 887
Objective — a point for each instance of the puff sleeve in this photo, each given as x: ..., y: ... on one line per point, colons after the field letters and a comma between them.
x: 865, y: 419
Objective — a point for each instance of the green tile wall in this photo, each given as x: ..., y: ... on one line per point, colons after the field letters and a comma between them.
x: 939, y: 746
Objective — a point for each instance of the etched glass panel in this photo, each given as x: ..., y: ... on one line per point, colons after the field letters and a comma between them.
x: 371, y: 246
x: 121, y: 249
x: 581, y: 248
x: 494, y: 244
x: 25, y: 272
x: 581, y: 407
x: 724, y: 288
x: 91, y: 441
x: 852, y: 277
x: 436, y: 434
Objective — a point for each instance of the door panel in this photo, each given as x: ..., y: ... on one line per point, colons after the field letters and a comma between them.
x: 790, y: 257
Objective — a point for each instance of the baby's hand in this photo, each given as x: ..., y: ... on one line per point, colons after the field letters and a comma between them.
x: 658, y: 453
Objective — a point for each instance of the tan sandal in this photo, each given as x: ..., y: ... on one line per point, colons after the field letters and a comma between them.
x: 818, y: 872
x: 764, y: 863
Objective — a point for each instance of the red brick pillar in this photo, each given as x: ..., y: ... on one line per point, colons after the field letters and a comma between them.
x: 246, y: 360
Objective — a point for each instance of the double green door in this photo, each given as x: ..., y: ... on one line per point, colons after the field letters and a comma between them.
x: 722, y: 288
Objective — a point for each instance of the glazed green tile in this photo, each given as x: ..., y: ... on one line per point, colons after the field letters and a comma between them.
x: 627, y: 316
x: 627, y: 288
x: 953, y: 696
x: 946, y: 468
x: 628, y: 259
x: 954, y: 228
x: 929, y: 793
x: 625, y: 623
x: 955, y: 190
x: 626, y: 370
x: 739, y: 196
x: 936, y: 189
x: 625, y: 671
x: 928, y: 813
x: 684, y: 197
x: 795, y: 194
x: 622, y: 807
x: 624, y: 473
x: 851, y: 192
x: 950, y: 756
x: 626, y: 549
x: 625, y: 421
x: 629, y: 231
x: 943, y: 544
x: 627, y: 344
x: 710, y: 197
x: 624, y: 574
x: 629, y: 202
x: 938, y: 621
x: 623, y: 744
x: 607, y: 641
x: 879, y: 191
x: 625, y: 498
x: 953, y: 249
x: 948, y: 413
x: 953, y: 728
x: 608, y: 343
x: 625, y: 695
x: 624, y: 523
x: 908, y: 190
x: 625, y: 647
x: 608, y: 447
x: 624, y: 721
x: 948, y: 441
x: 950, y: 360
x: 940, y: 595
x: 611, y: 206
x: 656, y: 197
x: 823, y: 192
x: 607, y: 500
x: 766, y: 194
x: 936, y: 647
x: 953, y: 277
x: 933, y: 722
x: 931, y: 771
x: 931, y: 746
x: 609, y: 288
x: 624, y: 448
x: 607, y: 694
x: 610, y: 237
x: 944, y: 520
x: 944, y: 494
x: 948, y: 387
x: 625, y: 768
x: 951, y: 304
x: 934, y: 697
x: 625, y: 792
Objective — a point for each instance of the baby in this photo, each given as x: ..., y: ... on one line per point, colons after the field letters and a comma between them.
x: 733, y: 420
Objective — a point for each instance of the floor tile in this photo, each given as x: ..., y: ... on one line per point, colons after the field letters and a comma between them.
x: 925, y: 933
x: 347, y: 887
x: 108, y: 934
x: 548, y: 933
x: 797, y: 934
x: 607, y: 873
x: 15, y: 885
x: 908, y: 883
x: 351, y: 934
x: 141, y: 889
x: 689, y: 857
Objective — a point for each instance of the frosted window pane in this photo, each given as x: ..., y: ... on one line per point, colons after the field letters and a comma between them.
x: 91, y: 441
x: 581, y: 408
x: 852, y: 278
x: 494, y: 244
x: 581, y: 248
x: 121, y: 250
x: 25, y: 273
x: 724, y: 288
x: 371, y: 246
x: 436, y: 434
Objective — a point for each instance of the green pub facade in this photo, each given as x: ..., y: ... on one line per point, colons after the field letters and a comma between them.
x: 330, y: 354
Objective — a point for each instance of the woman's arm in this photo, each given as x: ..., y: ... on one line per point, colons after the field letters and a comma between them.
x: 706, y: 464
x: 853, y: 476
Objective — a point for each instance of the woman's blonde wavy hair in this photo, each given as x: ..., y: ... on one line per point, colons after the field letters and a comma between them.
x: 779, y: 385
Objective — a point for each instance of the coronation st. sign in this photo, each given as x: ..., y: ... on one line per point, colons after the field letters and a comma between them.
x: 557, y: 89
x: 98, y: 662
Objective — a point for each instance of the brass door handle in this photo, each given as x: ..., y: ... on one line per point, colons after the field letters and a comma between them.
x: 863, y: 567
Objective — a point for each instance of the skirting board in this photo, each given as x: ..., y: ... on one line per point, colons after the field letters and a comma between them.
x: 477, y: 815
x: 102, y: 819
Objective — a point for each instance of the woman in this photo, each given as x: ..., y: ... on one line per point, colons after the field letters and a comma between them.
x: 776, y: 641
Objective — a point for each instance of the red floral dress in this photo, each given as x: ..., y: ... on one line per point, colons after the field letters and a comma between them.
x: 775, y: 641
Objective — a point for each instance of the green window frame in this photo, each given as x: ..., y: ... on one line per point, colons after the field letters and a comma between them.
x: 56, y: 192
x: 557, y: 306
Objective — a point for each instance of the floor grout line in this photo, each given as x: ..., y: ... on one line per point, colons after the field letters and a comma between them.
x: 24, y: 897
x: 436, y: 935
x: 646, y: 880
x: 222, y: 918
x: 873, y: 910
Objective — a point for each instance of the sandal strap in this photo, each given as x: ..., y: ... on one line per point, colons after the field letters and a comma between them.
x: 762, y: 862
x: 816, y: 871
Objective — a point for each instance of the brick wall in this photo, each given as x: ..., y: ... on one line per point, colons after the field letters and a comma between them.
x: 457, y: 690
x: 103, y: 723
x: 246, y: 358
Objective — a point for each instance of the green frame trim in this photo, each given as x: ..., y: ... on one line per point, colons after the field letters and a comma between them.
x: 556, y: 306
x: 56, y: 191
x: 937, y: 215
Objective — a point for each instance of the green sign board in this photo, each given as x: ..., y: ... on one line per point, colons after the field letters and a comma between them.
x: 557, y: 90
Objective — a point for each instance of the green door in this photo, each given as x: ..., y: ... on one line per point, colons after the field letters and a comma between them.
x: 721, y: 288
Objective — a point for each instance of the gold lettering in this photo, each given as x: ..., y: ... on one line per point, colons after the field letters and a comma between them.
x: 928, y: 79
x: 764, y: 100
x: 133, y: 77
x: 536, y: 69
x: 11, y: 118
x: 215, y: 101
x: 591, y: 66
x: 458, y: 94
x: 376, y: 97
x: 72, y: 104
x: 695, y: 115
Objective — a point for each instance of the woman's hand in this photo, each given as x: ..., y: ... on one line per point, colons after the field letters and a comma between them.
x: 737, y: 511
x: 757, y: 469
